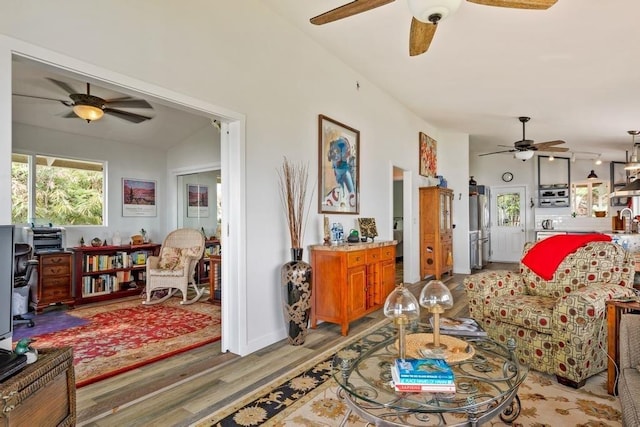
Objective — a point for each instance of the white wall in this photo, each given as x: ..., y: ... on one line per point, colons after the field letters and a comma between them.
x: 239, y: 55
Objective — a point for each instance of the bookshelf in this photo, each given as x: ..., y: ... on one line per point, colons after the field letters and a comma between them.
x: 108, y: 272
x: 203, y: 269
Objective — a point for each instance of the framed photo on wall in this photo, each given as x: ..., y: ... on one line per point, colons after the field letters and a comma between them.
x: 138, y: 197
x: 197, y: 201
x: 428, y: 155
x: 338, y: 167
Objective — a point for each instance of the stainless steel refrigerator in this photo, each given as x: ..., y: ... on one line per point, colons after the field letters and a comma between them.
x: 480, y: 225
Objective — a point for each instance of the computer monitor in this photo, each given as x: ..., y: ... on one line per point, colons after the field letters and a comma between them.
x: 6, y: 281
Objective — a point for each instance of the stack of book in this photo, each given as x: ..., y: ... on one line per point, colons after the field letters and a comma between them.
x: 465, y: 326
x: 422, y: 375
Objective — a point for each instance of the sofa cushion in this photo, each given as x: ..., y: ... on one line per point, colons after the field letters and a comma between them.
x: 528, y: 311
x: 596, y: 262
x: 629, y: 390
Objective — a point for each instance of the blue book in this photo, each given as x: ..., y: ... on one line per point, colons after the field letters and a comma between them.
x: 424, y: 369
x: 418, y: 381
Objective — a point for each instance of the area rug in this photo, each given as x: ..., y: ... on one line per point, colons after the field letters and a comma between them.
x: 122, y: 336
x: 311, y: 398
x: 46, y: 323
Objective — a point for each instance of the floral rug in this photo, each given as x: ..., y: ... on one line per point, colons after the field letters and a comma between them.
x: 311, y: 397
x: 121, y: 336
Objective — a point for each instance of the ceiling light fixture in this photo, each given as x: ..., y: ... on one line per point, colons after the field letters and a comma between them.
x: 598, y: 161
x: 633, y: 163
x: 88, y: 112
x: 592, y: 175
x: 551, y: 158
x: 573, y: 157
x: 523, y: 155
x: 427, y: 10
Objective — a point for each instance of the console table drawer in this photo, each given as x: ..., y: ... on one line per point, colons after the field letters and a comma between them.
x: 356, y: 258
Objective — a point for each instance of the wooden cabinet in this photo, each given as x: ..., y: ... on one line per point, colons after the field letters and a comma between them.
x: 41, y: 394
x: 203, y: 269
x: 107, y: 272
x: 436, y: 232
x: 350, y: 281
x: 554, y: 178
x: 54, y: 281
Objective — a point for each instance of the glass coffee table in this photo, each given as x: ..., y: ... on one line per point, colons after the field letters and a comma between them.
x: 487, y: 383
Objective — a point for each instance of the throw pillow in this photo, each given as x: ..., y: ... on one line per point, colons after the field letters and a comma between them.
x: 193, y: 251
x: 170, y: 258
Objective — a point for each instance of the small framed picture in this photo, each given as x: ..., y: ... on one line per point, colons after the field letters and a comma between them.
x: 428, y: 155
x: 338, y: 167
x: 138, y: 197
x: 197, y: 201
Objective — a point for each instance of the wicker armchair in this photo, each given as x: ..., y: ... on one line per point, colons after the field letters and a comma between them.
x: 174, y: 269
x: 558, y: 324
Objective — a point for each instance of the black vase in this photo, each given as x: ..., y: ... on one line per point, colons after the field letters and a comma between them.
x: 296, y: 287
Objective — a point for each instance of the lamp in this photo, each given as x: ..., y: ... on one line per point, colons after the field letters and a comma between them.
x: 551, y: 158
x: 598, y: 161
x: 403, y: 308
x: 592, y: 175
x: 436, y: 298
x: 633, y: 163
x: 88, y: 112
x: 523, y: 155
x: 428, y: 11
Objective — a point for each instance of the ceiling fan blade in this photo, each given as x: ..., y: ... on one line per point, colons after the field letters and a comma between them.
x: 553, y: 149
x: 62, y: 85
x: 420, y: 36
x: 497, y: 152
x: 131, y: 117
x: 71, y: 115
x: 67, y: 103
x: 549, y: 143
x: 517, y: 4
x: 349, y: 9
x: 127, y: 102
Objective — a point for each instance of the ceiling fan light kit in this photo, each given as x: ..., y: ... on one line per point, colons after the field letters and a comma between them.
x: 88, y: 112
x: 423, y: 10
x: 523, y: 155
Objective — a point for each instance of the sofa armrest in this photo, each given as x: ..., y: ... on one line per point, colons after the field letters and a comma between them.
x: 629, y: 341
x: 481, y: 287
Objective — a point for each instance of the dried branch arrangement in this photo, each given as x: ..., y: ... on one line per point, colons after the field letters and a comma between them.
x: 293, y: 194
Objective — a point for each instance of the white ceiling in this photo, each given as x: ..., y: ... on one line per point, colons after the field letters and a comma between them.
x: 167, y: 128
x: 574, y: 68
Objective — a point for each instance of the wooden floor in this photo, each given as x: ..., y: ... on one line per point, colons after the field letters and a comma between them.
x: 184, y: 388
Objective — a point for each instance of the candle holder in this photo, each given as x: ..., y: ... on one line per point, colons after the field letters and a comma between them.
x: 403, y: 308
x: 436, y: 298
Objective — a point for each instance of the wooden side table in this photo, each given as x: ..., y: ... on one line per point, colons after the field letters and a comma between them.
x: 215, y: 264
x: 614, y: 311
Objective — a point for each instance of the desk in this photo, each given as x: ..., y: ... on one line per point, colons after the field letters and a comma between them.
x: 614, y: 311
x: 487, y: 386
x: 215, y: 277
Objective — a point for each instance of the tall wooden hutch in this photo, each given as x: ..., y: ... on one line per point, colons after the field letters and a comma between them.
x: 436, y: 232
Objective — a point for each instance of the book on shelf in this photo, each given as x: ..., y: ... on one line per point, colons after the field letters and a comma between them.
x: 465, y: 326
x: 423, y: 370
x: 413, y: 387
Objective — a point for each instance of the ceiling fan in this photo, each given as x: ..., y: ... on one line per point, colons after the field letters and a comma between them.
x: 90, y: 107
x: 426, y: 15
x: 528, y: 146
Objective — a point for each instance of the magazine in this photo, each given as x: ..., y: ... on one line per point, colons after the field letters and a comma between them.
x: 460, y: 326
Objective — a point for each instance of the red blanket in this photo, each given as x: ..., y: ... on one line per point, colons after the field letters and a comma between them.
x: 546, y: 255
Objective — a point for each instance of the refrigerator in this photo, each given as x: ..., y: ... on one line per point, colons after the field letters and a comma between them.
x: 480, y: 225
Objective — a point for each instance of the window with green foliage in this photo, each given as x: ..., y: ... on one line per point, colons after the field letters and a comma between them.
x: 508, y: 214
x: 61, y: 191
x: 589, y: 197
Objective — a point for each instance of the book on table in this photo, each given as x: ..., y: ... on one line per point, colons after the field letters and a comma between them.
x: 465, y: 326
x: 431, y: 386
x: 423, y: 370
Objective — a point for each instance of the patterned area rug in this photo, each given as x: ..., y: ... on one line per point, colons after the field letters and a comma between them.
x: 310, y: 397
x: 125, y: 335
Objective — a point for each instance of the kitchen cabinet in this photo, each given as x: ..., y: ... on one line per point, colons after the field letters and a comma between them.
x: 436, y: 232
x: 553, y: 182
x: 54, y: 281
x: 350, y: 281
x: 619, y: 178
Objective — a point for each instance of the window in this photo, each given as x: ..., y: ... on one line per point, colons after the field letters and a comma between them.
x: 508, y: 214
x: 47, y: 189
x: 589, y: 197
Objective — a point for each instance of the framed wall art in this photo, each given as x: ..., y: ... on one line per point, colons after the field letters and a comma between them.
x: 138, y: 197
x: 428, y: 155
x: 197, y: 201
x: 338, y: 167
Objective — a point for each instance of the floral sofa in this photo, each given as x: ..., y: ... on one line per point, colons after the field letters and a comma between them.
x: 559, y: 324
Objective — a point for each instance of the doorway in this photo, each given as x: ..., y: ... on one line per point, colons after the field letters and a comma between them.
x: 398, y: 221
x: 508, y: 229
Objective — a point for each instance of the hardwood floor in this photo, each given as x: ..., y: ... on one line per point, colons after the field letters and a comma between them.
x: 184, y: 388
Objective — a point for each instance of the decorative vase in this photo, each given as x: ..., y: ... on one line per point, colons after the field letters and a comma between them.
x: 296, y: 287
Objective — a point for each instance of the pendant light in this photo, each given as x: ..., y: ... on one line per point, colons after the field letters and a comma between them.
x: 592, y: 175
x: 633, y: 163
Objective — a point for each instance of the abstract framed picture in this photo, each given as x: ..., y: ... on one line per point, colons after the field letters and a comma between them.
x: 338, y: 167
x: 197, y: 201
x: 138, y: 197
x: 428, y: 155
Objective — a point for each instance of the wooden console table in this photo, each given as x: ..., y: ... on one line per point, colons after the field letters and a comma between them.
x: 41, y: 394
x: 614, y: 311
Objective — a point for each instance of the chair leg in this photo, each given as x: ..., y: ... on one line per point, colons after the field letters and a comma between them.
x: 570, y: 383
x: 199, y: 293
x: 171, y: 292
